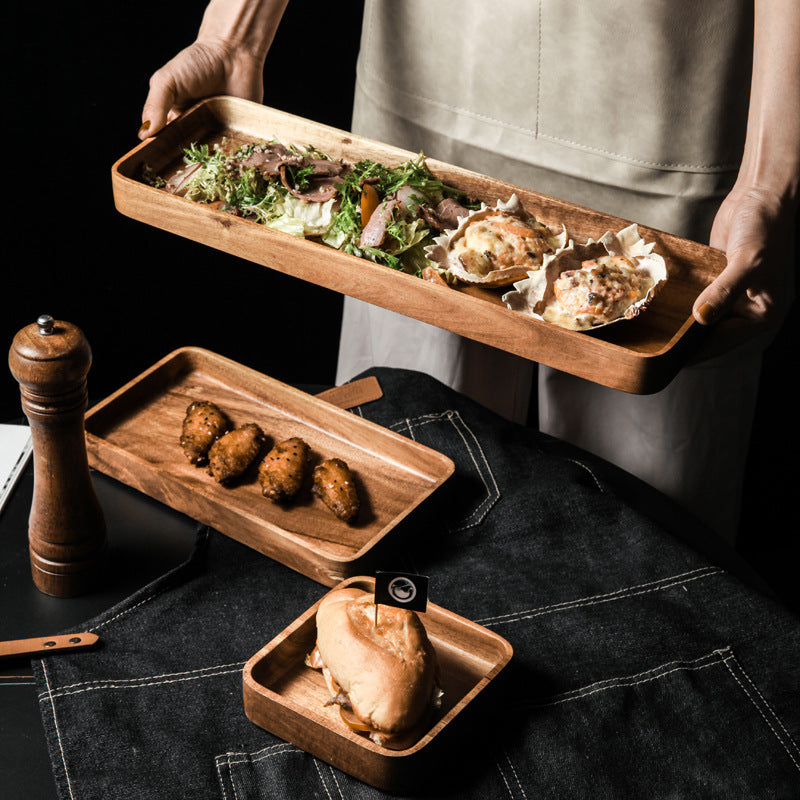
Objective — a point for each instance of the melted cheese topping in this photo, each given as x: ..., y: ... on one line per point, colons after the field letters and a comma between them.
x: 601, y: 291
x: 499, y: 241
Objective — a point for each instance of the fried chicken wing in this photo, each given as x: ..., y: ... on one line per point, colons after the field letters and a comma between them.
x: 335, y: 486
x: 203, y: 424
x: 233, y: 453
x: 283, y: 470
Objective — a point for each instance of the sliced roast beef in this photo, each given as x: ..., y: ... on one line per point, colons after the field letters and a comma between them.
x: 448, y: 211
x: 324, y: 166
x: 318, y: 188
x: 269, y: 160
x: 375, y: 230
x: 432, y: 218
x: 178, y: 183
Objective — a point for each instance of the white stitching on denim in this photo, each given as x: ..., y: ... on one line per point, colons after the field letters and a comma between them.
x: 128, y: 610
x: 336, y: 780
x: 203, y: 535
x: 492, y: 492
x: 321, y: 779
x: 709, y: 660
x: 58, y: 730
x: 758, y: 708
x: 503, y: 776
x: 629, y: 591
x: 403, y: 424
x: 97, y: 682
x: 581, y: 464
x: 218, y: 763
x: 276, y: 750
x: 242, y: 757
x: 764, y: 701
x: 455, y: 419
x: 233, y: 782
x: 140, y: 683
x: 516, y: 777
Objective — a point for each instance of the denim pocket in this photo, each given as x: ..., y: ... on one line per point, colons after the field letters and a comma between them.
x: 685, y: 729
x: 478, y: 489
x: 281, y: 770
x: 284, y: 772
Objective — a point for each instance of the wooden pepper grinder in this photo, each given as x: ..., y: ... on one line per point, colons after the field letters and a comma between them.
x: 66, y: 530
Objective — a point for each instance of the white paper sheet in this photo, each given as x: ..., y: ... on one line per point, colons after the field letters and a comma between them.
x: 15, y: 450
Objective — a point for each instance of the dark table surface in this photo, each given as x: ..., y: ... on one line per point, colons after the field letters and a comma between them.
x: 146, y: 540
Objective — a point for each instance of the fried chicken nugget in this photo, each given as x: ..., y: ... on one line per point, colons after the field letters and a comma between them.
x: 334, y: 485
x: 203, y: 424
x: 283, y: 470
x: 233, y: 453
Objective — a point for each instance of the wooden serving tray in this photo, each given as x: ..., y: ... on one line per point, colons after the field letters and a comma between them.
x: 287, y: 698
x: 133, y: 435
x: 639, y: 356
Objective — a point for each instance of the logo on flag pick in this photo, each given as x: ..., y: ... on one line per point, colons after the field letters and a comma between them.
x: 401, y: 589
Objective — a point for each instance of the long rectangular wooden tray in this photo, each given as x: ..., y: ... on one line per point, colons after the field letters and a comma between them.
x: 639, y: 356
x: 287, y: 698
x: 133, y: 436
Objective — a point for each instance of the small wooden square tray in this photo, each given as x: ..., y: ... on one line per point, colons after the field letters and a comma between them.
x: 639, y: 356
x: 287, y: 698
x: 133, y: 435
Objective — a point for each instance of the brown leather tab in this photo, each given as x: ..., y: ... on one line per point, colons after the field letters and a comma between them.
x: 355, y: 393
x: 40, y: 645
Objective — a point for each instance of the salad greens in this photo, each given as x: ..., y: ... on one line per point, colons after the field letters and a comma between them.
x: 247, y: 191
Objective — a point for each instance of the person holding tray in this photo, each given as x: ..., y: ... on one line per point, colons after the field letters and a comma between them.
x: 685, y: 118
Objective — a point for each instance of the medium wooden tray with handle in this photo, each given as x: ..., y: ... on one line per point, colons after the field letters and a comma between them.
x: 133, y: 436
x: 639, y: 356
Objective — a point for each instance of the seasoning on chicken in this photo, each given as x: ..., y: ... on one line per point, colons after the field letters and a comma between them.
x: 284, y: 469
x: 203, y: 424
x: 233, y: 453
x: 335, y: 486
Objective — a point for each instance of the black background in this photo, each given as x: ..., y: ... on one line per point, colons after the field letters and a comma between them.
x: 76, y: 77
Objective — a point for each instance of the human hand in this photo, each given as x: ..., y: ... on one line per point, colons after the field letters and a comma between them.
x: 204, y: 68
x: 753, y: 227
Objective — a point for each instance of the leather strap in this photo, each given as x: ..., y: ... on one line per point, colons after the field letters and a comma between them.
x: 40, y: 645
x: 354, y: 393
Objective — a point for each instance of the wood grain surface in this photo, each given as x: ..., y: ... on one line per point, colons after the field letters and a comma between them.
x: 639, y: 356
x: 133, y: 435
x: 66, y: 528
x: 287, y: 698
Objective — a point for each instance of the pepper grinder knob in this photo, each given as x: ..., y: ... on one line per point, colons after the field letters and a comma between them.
x: 50, y: 360
x: 46, y: 324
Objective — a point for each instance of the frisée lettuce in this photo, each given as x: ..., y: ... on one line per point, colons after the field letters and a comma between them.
x: 238, y: 182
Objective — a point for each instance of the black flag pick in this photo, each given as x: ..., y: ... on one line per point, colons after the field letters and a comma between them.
x: 401, y: 589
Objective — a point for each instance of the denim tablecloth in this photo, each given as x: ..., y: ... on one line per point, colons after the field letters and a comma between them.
x: 641, y: 668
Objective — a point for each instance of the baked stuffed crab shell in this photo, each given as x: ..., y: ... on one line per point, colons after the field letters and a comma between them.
x: 495, y: 246
x: 585, y: 286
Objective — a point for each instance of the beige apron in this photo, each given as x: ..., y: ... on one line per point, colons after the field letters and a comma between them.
x: 634, y: 108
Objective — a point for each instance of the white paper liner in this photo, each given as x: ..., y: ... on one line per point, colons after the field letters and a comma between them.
x: 440, y: 252
x: 534, y: 295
